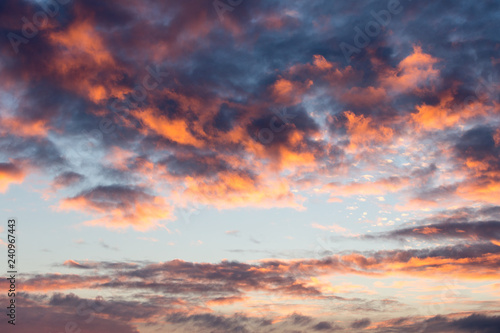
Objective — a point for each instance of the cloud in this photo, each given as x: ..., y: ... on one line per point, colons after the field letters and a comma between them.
x: 464, y: 323
x: 195, y: 131
x: 10, y: 173
x: 364, y: 133
x: 323, y: 326
x: 474, y: 231
x: 415, y: 72
x: 240, y: 189
x: 361, y: 323
x: 121, y: 207
x: 233, y: 280
x: 74, y: 264
x: 67, y: 179
x: 478, y: 154
x: 171, y: 286
x: 57, y: 311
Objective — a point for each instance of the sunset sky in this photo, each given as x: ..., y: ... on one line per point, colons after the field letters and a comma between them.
x: 251, y: 166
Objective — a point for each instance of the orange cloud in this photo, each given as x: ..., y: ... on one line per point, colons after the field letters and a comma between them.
x: 432, y: 117
x: 290, y: 92
x: 446, y: 114
x: 364, y: 133
x: 428, y: 267
x: 496, y: 137
x: 121, y: 208
x: 172, y: 129
x: 289, y: 158
x: 427, y: 230
x: 485, y: 190
x: 81, y: 38
x: 52, y: 282
x: 10, y: 173
x: 474, y: 264
x: 231, y: 190
x: 23, y: 128
x: 415, y: 72
x: 320, y: 62
x: 84, y: 57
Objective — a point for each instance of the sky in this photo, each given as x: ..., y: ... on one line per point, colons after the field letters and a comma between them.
x: 251, y: 166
